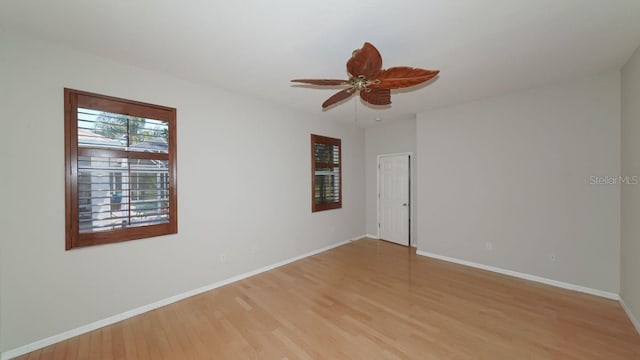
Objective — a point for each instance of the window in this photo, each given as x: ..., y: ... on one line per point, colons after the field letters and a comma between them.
x: 120, y: 173
x: 326, y: 173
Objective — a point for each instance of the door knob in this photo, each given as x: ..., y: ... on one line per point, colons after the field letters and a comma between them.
x: 405, y: 204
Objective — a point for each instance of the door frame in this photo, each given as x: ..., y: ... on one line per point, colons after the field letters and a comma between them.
x: 410, y: 203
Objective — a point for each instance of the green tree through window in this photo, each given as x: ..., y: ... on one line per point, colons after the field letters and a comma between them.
x: 129, y: 130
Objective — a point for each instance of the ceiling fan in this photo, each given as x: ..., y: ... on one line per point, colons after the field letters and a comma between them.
x: 367, y: 76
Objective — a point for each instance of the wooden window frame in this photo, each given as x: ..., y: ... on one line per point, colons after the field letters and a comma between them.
x: 318, y: 139
x: 73, y: 99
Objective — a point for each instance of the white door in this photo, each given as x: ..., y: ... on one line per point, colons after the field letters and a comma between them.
x: 393, y: 192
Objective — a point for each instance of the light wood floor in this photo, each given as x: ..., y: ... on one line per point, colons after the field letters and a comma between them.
x: 369, y: 300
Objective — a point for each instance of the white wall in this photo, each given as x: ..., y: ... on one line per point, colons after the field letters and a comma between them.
x: 630, y: 207
x: 394, y: 137
x: 515, y: 171
x: 243, y: 189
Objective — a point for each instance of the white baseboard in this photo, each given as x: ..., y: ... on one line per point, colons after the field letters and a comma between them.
x: 372, y: 236
x: 560, y: 284
x: 145, y: 308
x: 630, y: 315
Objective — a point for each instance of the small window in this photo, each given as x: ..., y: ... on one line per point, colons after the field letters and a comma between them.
x: 120, y: 169
x: 326, y: 173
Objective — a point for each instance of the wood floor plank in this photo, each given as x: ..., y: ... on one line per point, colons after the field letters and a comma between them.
x: 60, y: 350
x: 369, y: 300
x: 84, y: 346
x: 72, y: 348
x: 117, y: 342
x: 107, y: 343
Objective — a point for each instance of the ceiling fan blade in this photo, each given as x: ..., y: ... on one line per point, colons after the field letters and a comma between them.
x: 366, y: 62
x: 403, y: 76
x: 337, y: 97
x: 324, y: 82
x: 376, y: 96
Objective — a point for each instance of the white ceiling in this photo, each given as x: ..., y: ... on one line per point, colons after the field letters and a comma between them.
x: 482, y: 47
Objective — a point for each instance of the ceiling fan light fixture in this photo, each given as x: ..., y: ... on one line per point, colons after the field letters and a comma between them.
x: 367, y: 77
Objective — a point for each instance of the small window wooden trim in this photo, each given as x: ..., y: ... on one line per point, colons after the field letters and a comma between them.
x: 318, y: 139
x: 74, y: 99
